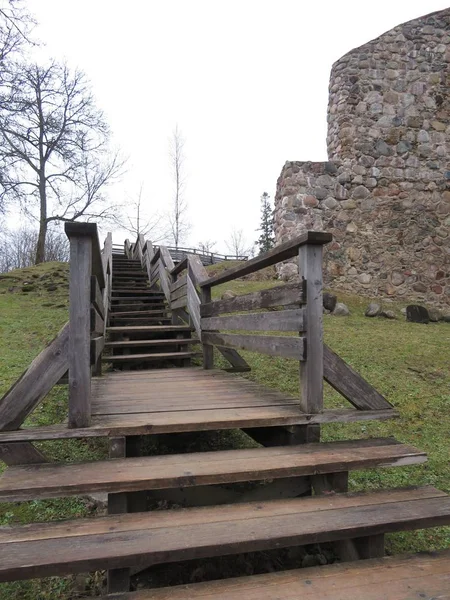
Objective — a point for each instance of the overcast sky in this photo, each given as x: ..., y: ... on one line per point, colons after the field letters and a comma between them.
x: 246, y: 81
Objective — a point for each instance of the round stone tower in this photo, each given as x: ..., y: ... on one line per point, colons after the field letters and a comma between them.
x: 385, y: 192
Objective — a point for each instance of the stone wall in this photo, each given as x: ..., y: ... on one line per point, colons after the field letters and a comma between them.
x: 385, y: 194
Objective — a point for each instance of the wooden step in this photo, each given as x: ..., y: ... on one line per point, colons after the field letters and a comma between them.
x: 171, y: 342
x: 147, y: 357
x: 146, y: 297
x: 139, y: 312
x: 139, y: 539
x: 135, y: 292
x: 138, y: 305
x: 201, y: 468
x: 424, y: 576
x: 149, y: 328
x: 143, y: 320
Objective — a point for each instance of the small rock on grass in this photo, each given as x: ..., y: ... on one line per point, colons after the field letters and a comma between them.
x: 434, y: 314
x: 373, y: 310
x: 417, y: 314
x: 228, y: 295
x: 329, y: 301
x: 341, y: 310
x: 388, y: 314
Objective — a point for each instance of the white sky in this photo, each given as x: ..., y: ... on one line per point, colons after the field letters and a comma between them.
x: 246, y: 81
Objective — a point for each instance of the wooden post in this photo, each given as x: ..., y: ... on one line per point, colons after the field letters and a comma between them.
x: 80, y: 334
x: 311, y: 369
x: 208, y: 350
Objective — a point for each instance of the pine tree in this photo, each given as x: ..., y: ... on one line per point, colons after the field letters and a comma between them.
x: 266, y: 240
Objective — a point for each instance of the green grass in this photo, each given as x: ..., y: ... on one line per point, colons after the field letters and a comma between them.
x: 406, y: 362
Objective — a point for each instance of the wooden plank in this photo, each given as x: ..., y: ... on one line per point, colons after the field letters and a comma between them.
x: 238, y: 364
x: 278, y: 254
x: 284, y: 295
x: 97, y: 324
x: 193, y: 306
x: 197, y: 271
x: 167, y: 536
x: 21, y: 453
x: 97, y: 297
x: 145, y: 423
x: 350, y: 384
x: 178, y: 283
x: 180, y: 267
x: 148, y: 357
x: 166, y: 258
x: 164, y: 280
x: 80, y: 334
x: 424, y: 575
x: 180, y: 303
x: 311, y: 369
x: 202, y: 468
x: 97, y: 345
x: 88, y: 230
x: 178, y: 293
x: 35, y: 383
x: 287, y: 347
x: 282, y: 320
x: 208, y: 347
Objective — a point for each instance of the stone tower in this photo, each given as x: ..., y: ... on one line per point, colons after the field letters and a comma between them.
x: 385, y: 192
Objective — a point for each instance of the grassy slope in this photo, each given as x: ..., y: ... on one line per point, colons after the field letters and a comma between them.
x: 406, y: 362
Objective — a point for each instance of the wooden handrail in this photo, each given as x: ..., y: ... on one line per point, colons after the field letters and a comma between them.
x: 278, y: 254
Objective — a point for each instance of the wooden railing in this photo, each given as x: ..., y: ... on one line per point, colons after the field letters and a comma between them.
x: 206, y: 258
x: 89, y: 294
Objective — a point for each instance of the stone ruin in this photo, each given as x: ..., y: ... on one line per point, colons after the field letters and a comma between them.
x: 384, y: 194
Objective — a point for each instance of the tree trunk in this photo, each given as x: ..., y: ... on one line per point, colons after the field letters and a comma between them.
x: 40, y: 249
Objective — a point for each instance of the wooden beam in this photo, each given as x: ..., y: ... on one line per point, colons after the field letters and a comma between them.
x: 21, y: 453
x: 238, y: 364
x: 96, y: 297
x: 278, y: 254
x: 89, y: 230
x: 311, y: 369
x: 34, y: 384
x: 208, y: 347
x: 287, y: 347
x: 180, y: 267
x: 80, y: 334
x: 283, y: 295
x: 350, y: 384
x: 283, y: 320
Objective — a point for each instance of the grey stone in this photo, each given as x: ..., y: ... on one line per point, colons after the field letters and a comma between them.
x: 417, y: 314
x: 288, y: 272
x: 360, y: 192
x: 341, y: 310
x: 382, y: 149
x: 372, y: 310
x: 434, y: 314
x: 228, y: 295
x: 388, y: 314
x: 329, y: 301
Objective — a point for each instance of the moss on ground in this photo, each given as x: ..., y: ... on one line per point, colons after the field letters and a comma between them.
x: 406, y: 362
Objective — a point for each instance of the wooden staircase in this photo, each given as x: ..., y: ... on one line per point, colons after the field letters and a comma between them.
x: 300, y: 491
x: 140, y: 330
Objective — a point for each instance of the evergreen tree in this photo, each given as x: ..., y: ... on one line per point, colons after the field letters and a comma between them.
x: 266, y: 240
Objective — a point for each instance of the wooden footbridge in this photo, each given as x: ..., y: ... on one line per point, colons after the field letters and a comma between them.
x: 148, y: 320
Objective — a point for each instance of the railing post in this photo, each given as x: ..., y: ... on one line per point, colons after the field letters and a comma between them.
x: 80, y: 333
x: 311, y: 369
x: 208, y: 350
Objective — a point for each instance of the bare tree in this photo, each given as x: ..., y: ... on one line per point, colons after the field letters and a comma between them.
x: 207, y: 246
x: 18, y: 248
x: 177, y: 217
x: 237, y: 243
x: 16, y: 24
x: 53, y: 147
x: 138, y: 222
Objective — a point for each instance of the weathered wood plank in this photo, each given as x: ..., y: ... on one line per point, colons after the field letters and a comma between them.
x: 21, y: 453
x: 238, y: 364
x: 284, y: 295
x: 178, y: 283
x: 204, y: 468
x: 166, y: 258
x: 89, y: 230
x: 154, y: 537
x: 164, y: 280
x: 197, y: 271
x: 97, y: 346
x: 193, y: 306
x: 287, y: 347
x: 311, y: 370
x: 35, y: 383
x: 180, y: 267
x: 80, y: 334
x: 424, y: 575
x: 350, y: 384
x: 278, y: 254
x: 178, y: 293
x: 97, y: 324
x: 282, y: 320
x: 208, y: 348
x: 180, y: 303
x: 97, y: 297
